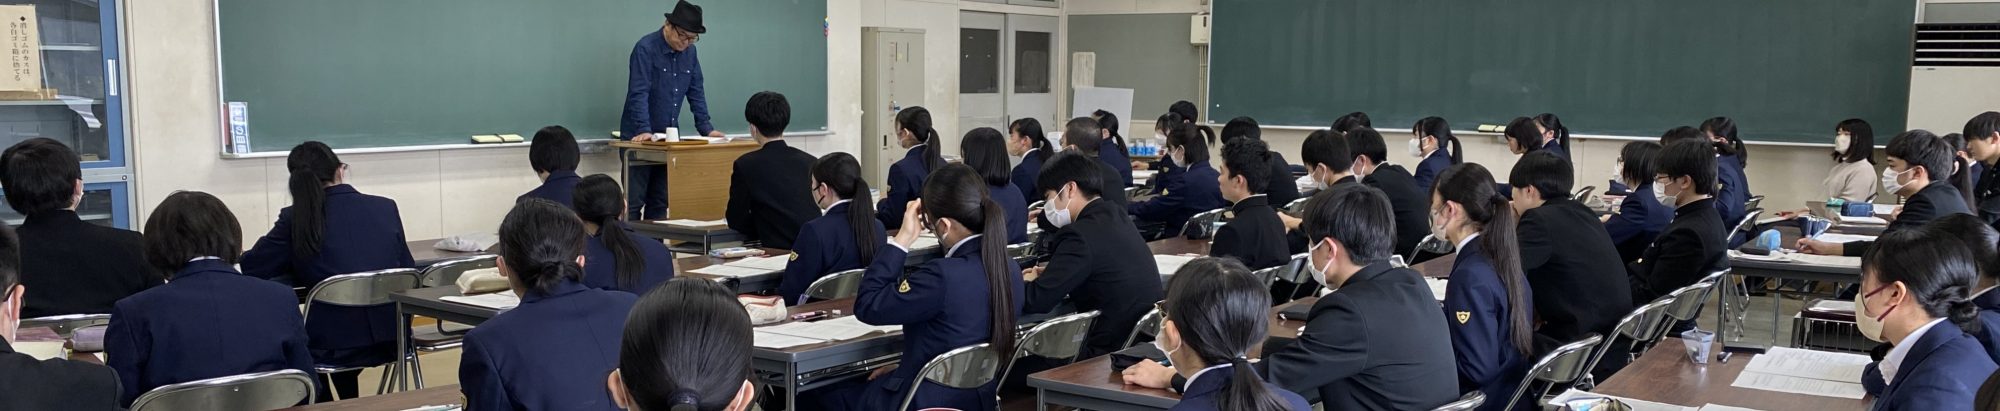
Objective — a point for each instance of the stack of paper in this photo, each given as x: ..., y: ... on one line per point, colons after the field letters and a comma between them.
x: 1437, y: 286
x: 502, y: 301
x: 780, y: 341
x: 1834, y: 305
x: 771, y: 263
x: 1807, y: 372
x: 1843, y: 238
x: 725, y: 270
x: 695, y: 223
x: 1870, y: 220
x: 1636, y: 405
x: 813, y: 332
x: 40, y: 350
x: 1826, y: 260
x: 1171, y: 263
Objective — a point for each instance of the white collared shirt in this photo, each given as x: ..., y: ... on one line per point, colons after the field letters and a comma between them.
x: 191, y: 260
x: 831, y: 206
x: 1467, y: 240
x: 1894, y: 360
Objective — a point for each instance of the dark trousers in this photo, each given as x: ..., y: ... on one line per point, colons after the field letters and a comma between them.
x: 646, y: 192
x: 347, y: 384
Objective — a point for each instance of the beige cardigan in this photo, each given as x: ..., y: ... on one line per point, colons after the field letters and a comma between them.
x: 1851, y: 181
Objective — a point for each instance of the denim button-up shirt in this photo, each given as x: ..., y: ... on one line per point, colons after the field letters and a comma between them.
x: 660, y: 79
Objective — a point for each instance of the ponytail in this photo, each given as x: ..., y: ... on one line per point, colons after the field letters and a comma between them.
x: 1109, y: 122
x: 1470, y: 185
x: 313, y: 166
x: 1457, y: 151
x: 842, y: 173
x: 917, y: 120
x: 933, y: 151
x: 599, y: 200
x: 1246, y: 391
x: 1221, y: 312
x: 999, y: 280
x: 1032, y: 130
x: 1959, y: 308
x: 1440, y: 130
x: 1550, y: 121
x: 540, y: 242
x: 1731, y: 145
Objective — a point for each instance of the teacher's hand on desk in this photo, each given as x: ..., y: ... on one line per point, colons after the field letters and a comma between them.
x: 1811, y: 246
x: 715, y: 133
x: 642, y: 137
x: 1149, y: 374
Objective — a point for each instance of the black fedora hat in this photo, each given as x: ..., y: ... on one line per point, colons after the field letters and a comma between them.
x: 687, y: 16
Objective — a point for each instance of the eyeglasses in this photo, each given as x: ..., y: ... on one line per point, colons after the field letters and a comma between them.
x: 690, y: 36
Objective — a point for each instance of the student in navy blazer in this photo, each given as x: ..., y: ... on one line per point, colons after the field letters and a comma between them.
x: 615, y: 257
x: 1920, y: 164
x: 553, y: 351
x: 1640, y: 217
x: 553, y: 154
x: 1540, y: 133
x: 207, y: 321
x: 906, y: 176
x: 1193, y: 192
x: 969, y: 297
x: 985, y: 150
x: 1916, y: 298
x: 1432, y: 136
x: 842, y: 238
x: 1734, y: 196
x: 331, y: 230
x: 1025, y: 139
x: 1215, y: 312
x: 1111, y: 147
x: 1487, y: 305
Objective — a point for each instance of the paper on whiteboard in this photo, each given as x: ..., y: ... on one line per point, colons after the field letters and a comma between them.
x: 1171, y: 263
x: 1797, y: 385
x: 771, y: 263
x: 499, y: 301
x: 780, y: 341
x: 725, y: 270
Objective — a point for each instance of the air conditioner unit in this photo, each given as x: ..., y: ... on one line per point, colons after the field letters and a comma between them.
x: 1951, y: 76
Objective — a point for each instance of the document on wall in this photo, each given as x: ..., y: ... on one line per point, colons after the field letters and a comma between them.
x: 502, y: 301
x: 1819, y: 365
x: 725, y: 270
x: 771, y: 263
x: 1798, y: 385
x: 777, y: 341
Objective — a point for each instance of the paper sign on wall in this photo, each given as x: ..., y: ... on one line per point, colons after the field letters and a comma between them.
x: 24, y: 49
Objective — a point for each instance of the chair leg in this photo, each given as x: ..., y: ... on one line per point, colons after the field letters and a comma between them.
x: 388, y: 372
x: 417, y: 370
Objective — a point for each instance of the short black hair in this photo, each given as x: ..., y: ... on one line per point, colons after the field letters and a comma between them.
x: 189, y: 225
x: 1327, y: 148
x: 1185, y: 109
x: 1245, y: 127
x: 38, y: 175
x: 1067, y: 168
x: 1637, y: 160
x: 1982, y: 126
x: 1545, y: 171
x: 1694, y: 159
x: 1677, y: 134
x: 1356, y: 215
x: 1084, y: 133
x: 553, y: 149
x: 1937, y: 268
x: 985, y: 149
x: 1351, y: 121
x: 769, y: 113
x: 1364, y: 141
x: 10, y: 261
x: 1920, y: 148
x: 1248, y: 158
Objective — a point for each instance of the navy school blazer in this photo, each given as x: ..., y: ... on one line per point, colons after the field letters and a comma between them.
x: 1555, y: 146
x: 1942, y: 371
x: 208, y: 322
x: 1201, y: 393
x: 1016, y: 210
x: 1639, y: 221
x: 1735, y: 190
x: 550, y: 353
x: 826, y: 246
x: 362, y: 233
x: 1186, y: 194
x: 942, y: 305
x: 600, y: 268
x: 1988, y: 337
x: 1476, y: 310
x: 1026, y: 173
x: 906, y: 183
x: 1110, y: 154
x: 560, y: 188
x: 1430, y: 168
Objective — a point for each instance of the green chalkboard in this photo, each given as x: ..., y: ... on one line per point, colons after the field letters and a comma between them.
x: 1785, y: 70
x: 380, y: 73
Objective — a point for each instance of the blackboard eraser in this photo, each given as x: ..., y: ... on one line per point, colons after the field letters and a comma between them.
x: 486, y: 139
x: 1492, y: 128
x: 511, y: 138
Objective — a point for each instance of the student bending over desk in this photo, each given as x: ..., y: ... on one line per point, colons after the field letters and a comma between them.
x: 768, y: 200
x: 1565, y: 254
x: 1190, y: 192
x: 75, y: 267
x: 554, y: 156
x: 687, y: 344
x: 1215, y: 312
x: 1920, y: 169
x: 1915, y: 298
x: 1487, y: 303
x: 617, y: 258
x: 843, y: 238
x: 30, y: 384
x: 550, y: 352
x: 1097, y: 259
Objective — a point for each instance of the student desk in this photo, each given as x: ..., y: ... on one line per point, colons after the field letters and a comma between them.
x: 1178, y: 246
x: 697, y: 174
x: 742, y: 285
x: 708, y: 236
x: 811, y: 366
x: 426, y: 253
x: 1785, y: 270
x: 440, y: 395
x: 1663, y: 374
x: 45, y: 334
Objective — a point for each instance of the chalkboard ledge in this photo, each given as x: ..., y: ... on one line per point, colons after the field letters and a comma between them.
x: 588, y: 146
x: 1463, y: 133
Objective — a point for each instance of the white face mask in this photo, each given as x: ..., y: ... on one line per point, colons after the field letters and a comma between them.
x: 1417, y: 147
x: 1319, y: 271
x: 1618, y: 171
x: 1660, y: 194
x: 1159, y: 338
x: 1179, y: 155
x: 1438, y: 226
x: 1058, y: 216
x: 1840, y: 142
x: 1865, y: 319
x: 1892, y: 180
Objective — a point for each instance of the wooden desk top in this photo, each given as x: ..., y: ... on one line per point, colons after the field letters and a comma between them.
x: 1664, y: 375
x: 424, y: 252
x: 1178, y: 245
x: 1096, y: 376
x: 45, y: 334
x: 440, y: 395
x: 628, y: 144
x: 695, y: 262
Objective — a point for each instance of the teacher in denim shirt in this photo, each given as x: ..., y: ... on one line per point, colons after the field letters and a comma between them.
x: 664, y: 70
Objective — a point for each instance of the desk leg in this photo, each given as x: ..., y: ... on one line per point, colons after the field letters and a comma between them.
x: 1041, y: 400
x: 792, y: 386
x: 1777, y: 310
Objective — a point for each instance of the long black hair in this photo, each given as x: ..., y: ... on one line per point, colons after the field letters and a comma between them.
x: 1174, y: 121
x: 1731, y: 145
x: 1860, y: 141
x: 1961, y: 168
x: 1221, y: 312
x: 955, y: 192
x: 539, y: 243
x: 842, y: 173
x: 1555, y: 124
x: 1109, y: 123
x: 1437, y: 129
x: 1523, y: 131
x: 1031, y: 129
x: 1471, y: 186
x: 917, y: 121
x: 313, y: 166
x: 1193, y: 149
x: 986, y: 151
x: 600, y: 200
x: 1936, y: 267
x: 686, y: 347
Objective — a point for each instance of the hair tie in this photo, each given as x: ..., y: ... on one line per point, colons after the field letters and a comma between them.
x: 685, y: 399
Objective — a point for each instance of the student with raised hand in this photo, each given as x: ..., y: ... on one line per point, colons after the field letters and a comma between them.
x: 1092, y: 248
x: 1640, y: 216
x: 208, y: 320
x: 845, y: 235
x: 1278, y: 185
x: 1487, y: 304
x: 767, y: 199
x: 1026, y: 140
x: 1915, y: 298
x: 1371, y: 162
x: 75, y: 267
x: 1982, y: 144
x: 906, y: 176
x: 615, y: 257
x: 970, y: 296
x: 686, y: 346
x: 1378, y: 341
x: 30, y: 384
x: 554, y: 156
x: 1695, y: 244
x: 550, y: 352
x: 1919, y: 166
x: 1565, y: 253
x: 1214, y: 316
x: 1111, y: 145
x: 986, y: 151
x: 1190, y: 192
x: 1853, y: 175
x: 1430, y: 137
x: 1734, y: 195
x: 1350, y: 121
x: 331, y: 229
x: 1255, y: 236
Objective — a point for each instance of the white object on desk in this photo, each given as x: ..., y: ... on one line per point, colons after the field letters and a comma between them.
x: 1819, y: 365
x: 40, y: 350
x: 771, y: 263
x: 924, y: 241
x: 1437, y: 286
x: 1139, y: 176
x: 1870, y: 220
x: 1825, y: 260
x: 682, y: 222
x: 777, y: 341
x: 725, y: 270
x: 1798, y: 385
x: 1834, y: 305
x: 482, y: 280
x: 502, y: 301
x: 1843, y: 238
x: 468, y: 243
x: 825, y: 330
x: 1637, y: 405
x: 1171, y: 263
x: 1714, y: 407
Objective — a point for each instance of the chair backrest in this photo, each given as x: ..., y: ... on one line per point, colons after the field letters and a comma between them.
x: 258, y: 391
x: 1564, y: 365
x: 1203, y: 224
x: 1270, y: 275
x: 1135, y: 191
x: 1468, y: 402
x: 361, y: 289
x: 1753, y: 202
x: 1295, y: 271
x: 1740, y: 234
x: 844, y: 284
x: 1022, y: 252
x: 1057, y: 338
x: 1583, y: 193
x: 1637, y: 325
x: 447, y: 272
x: 1295, y: 205
x: 65, y: 325
x: 963, y: 368
x: 1688, y: 301
x: 1148, y: 324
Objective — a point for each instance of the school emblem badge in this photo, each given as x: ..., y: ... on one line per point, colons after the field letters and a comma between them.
x: 795, y: 257
x: 904, y: 287
x: 1464, y: 316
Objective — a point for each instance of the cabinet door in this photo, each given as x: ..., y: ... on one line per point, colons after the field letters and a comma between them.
x: 77, y: 101
x: 103, y: 204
